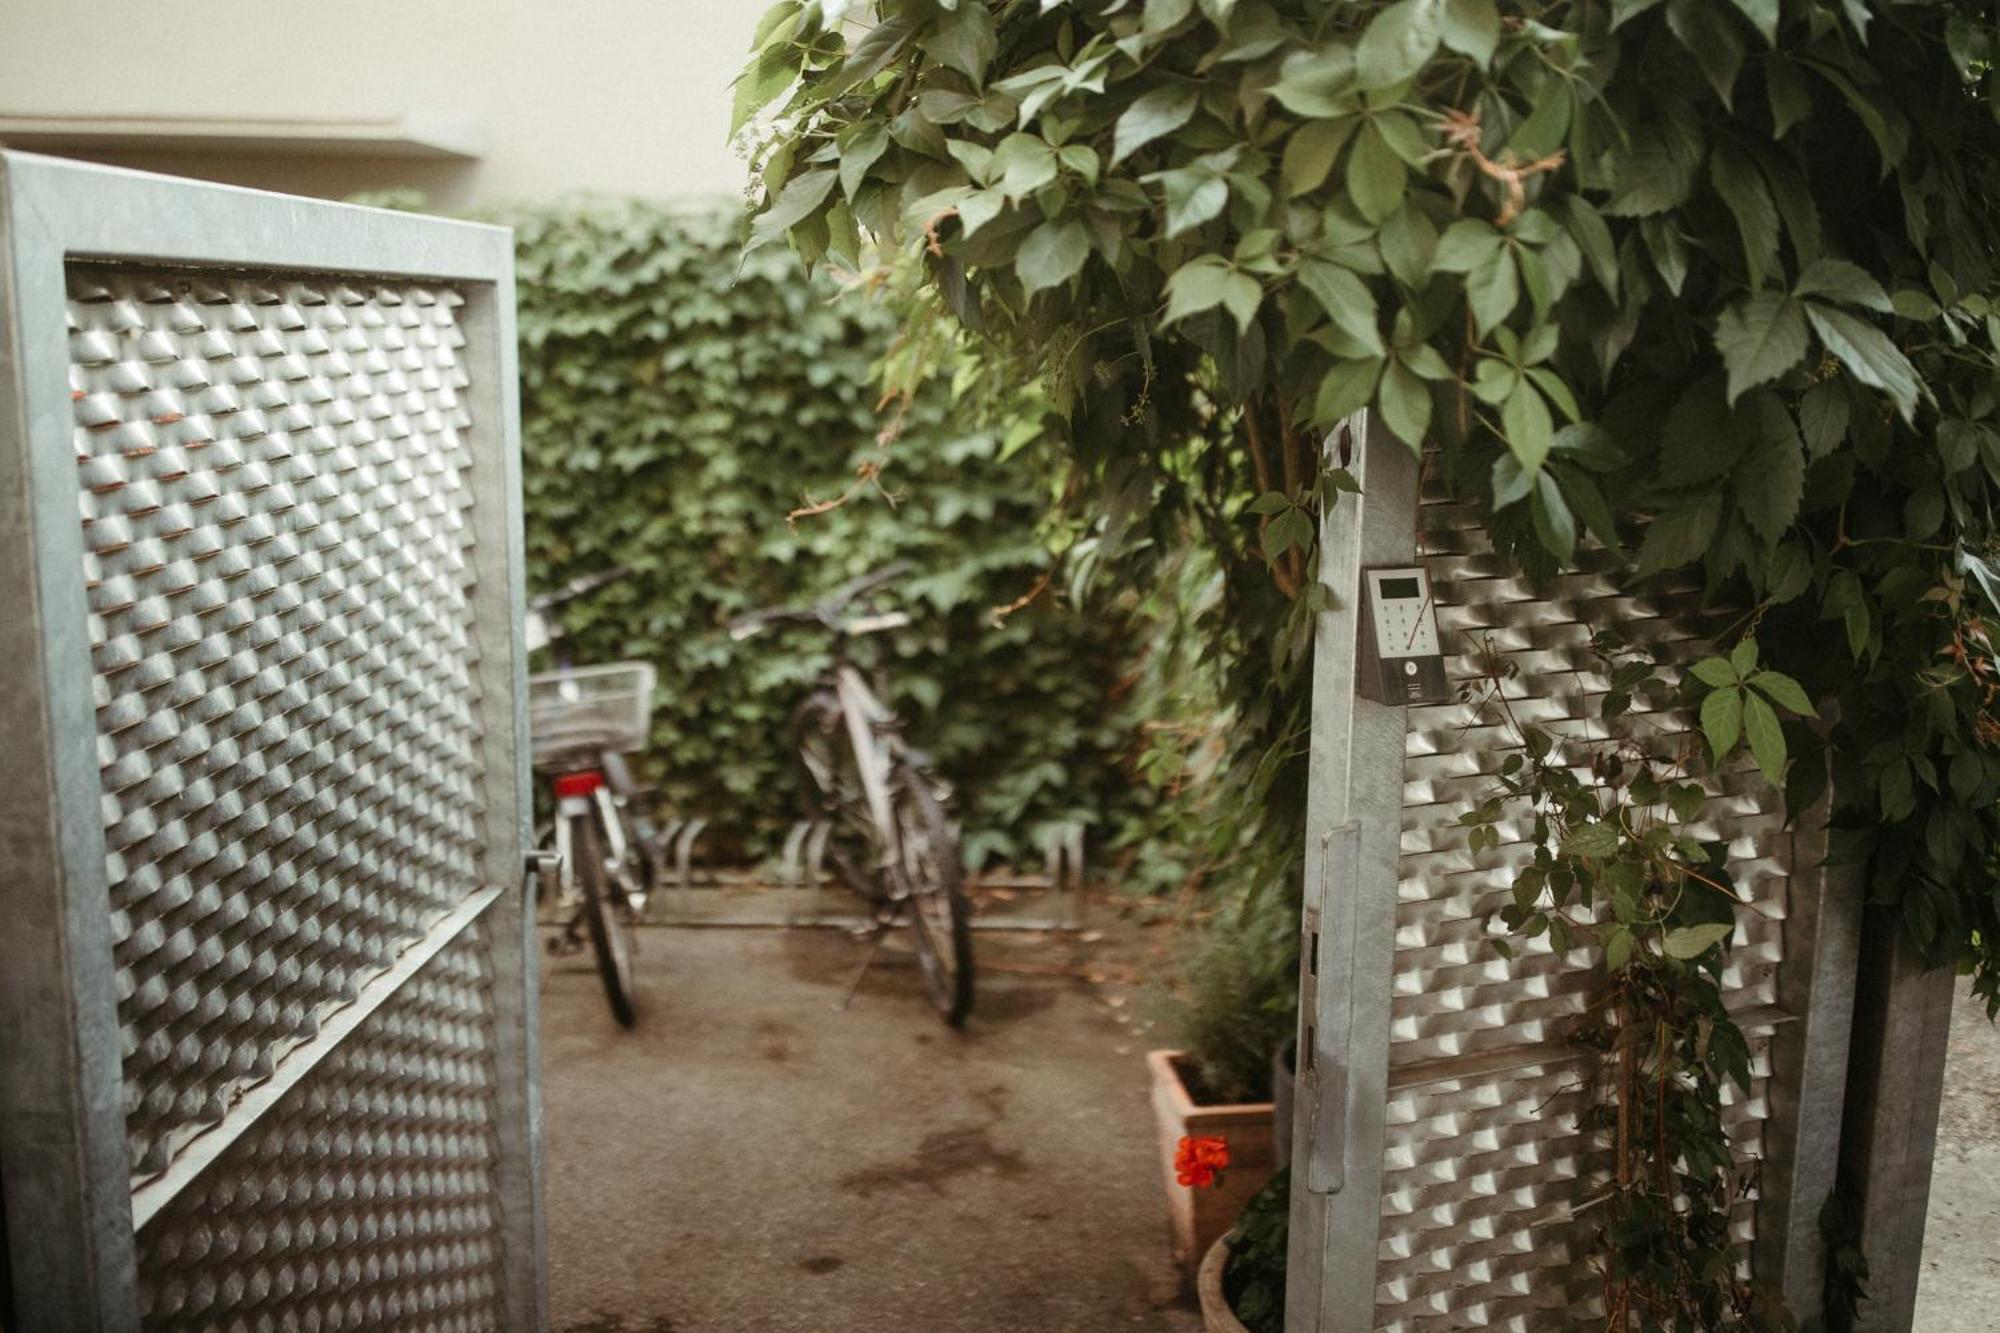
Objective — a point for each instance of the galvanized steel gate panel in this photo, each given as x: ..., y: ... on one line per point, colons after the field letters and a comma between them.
x: 1444, y: 1154
x: 271, y: 1056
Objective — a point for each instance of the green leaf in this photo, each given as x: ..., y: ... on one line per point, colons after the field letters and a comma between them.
x: 1784, y: 691
x: 1763, y: 15
x: 802, y: 195
x: 1711, y: 39
x: 1823, y: 413
x: 1530, y: 432
x: 1376, y: 176
x: 1347, y: 388
x: 1719, y: 672
x: 1194, y: 195
x: 1596, y: 840
x: 1691, y: 942
x: 1472, y: 28
x: 1698, y: 442
x: 1465, y: 245
x: 1053, y: 254
x: 963, y: 39
x: 1760, y: 336
x: 1407, y: 242
x: 1493, y: 290
x: 1586, y: 227
x: 1868, y: 354
x: 1511, y: 482
x: 1318, y: 82
x: 1681, y: 535
x: 1289, y: 529
x: 1770, y: 481
x: 1555, y: 525
x: 860, y: 147
x: 1310, y: 152
x: 1722, y: 720
x: 1767, y: 738
x: 1155, y: 112
x: 1791, y: 99
x: 1398, y: 41
x: 1743, y: 657
x: 1406, y: 405
x: 775, y: 69
x: 1023, y: 163
x: 1164, y: 14
x: 1209, y: 281
x: 1659, y: 172
x: 1883, y: 121
x: 1617, y: 948
x: 1742, y: 188
x: 1345, y: 298
x: 1849, y: 284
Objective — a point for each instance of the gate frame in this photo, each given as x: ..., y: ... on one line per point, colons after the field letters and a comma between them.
x: 67, y: 1233
x: 1348, y: 945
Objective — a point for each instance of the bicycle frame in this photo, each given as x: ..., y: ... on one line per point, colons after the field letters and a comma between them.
x: 867, y: 720
x: 601, y: 802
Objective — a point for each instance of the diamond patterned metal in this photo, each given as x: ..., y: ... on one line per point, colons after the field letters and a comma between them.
x: 1485, y: 1152
x: 366, y: 1198
x: 272, y: 481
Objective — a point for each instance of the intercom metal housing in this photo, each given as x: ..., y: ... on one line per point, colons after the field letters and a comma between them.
x: 1402, y: 661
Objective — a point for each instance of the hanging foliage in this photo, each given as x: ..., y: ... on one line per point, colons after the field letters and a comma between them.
x: 1709, y: 282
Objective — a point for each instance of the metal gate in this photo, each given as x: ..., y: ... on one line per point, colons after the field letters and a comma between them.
x: 1443, y: 1157
x: 267, y: 1043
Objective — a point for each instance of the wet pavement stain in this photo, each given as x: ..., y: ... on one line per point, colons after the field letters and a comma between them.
x: 1012, y: 1003
x: 940, y: 1157
x: 605, y: 1323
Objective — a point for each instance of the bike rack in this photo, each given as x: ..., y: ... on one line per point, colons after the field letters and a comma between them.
x: 798, y: 886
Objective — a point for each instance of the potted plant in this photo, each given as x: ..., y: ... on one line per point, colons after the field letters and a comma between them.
x: 1235, y: 1006
x: 1242, y: 1279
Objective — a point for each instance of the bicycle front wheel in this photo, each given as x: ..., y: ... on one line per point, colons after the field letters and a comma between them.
x: 601, y: 914
x: 933, y: 875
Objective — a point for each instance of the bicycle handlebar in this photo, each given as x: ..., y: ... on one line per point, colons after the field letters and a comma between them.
x: 578, y: 587
x: 827, y: 610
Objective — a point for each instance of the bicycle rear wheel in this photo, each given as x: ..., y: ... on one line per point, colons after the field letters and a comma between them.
x: 932, y: 875
x: 601, y: 915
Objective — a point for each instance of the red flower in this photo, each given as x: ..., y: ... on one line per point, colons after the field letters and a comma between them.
x: 1197, y: 1159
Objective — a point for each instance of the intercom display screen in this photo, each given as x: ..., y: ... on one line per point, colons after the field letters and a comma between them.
x: 1399, y: 588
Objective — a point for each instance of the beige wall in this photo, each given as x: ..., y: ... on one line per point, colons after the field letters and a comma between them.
x: 615, y: 96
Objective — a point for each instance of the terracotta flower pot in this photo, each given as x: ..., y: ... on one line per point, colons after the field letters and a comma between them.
x: 1198, y: 1216
x: 1216, y: 1316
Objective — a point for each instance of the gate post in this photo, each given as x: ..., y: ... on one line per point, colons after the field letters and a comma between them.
x: 1902, y: 1028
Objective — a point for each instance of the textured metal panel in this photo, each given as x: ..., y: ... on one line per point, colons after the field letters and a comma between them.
x: 1486, y: 1153
x: 368, y: 1196
x: 270, y: 758
x: 272, y: 484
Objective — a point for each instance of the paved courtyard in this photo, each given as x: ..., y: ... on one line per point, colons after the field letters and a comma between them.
x: 751, y: 1159
x: 1959, y: 1290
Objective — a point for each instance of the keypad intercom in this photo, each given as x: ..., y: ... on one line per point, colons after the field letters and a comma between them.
x: 1401, y: 660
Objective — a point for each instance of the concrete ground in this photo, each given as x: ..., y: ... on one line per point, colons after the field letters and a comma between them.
x: 1959, y: 1290
x: 750, y: 1158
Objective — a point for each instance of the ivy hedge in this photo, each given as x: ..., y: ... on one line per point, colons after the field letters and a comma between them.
x: 678, y: 403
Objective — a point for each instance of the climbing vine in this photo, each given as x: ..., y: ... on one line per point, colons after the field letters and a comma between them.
x: 1708, y: 284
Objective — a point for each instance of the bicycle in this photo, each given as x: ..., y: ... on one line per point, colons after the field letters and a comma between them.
x: 582, y: 721
x: 862, y: 778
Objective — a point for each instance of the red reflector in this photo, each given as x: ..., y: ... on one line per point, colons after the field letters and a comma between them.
x: 578, y: 784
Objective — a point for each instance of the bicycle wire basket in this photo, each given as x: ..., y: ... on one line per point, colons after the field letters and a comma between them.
x: 591, y: 710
